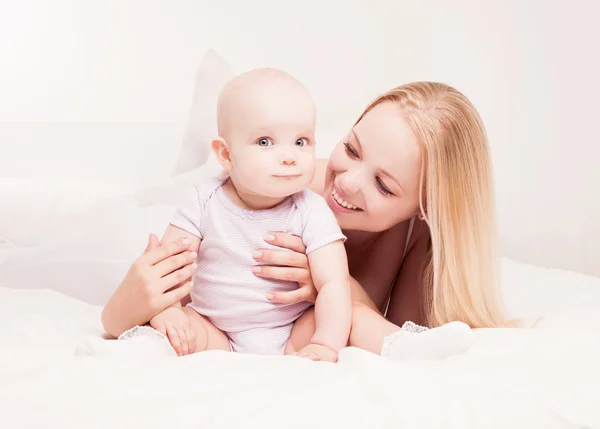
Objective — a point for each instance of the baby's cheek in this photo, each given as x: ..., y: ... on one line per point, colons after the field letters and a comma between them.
x: 254, y: 164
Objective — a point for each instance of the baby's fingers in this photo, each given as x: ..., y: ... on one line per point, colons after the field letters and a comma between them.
x: 160, y: 328
x: 308, y: 355
x: 181, y: 332
x: 174, y: 339
x: 329, y: 357
x: 191, y: 338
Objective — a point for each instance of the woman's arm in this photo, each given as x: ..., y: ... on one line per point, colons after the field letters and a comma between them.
x: 407, y: 298
x: 359, y: 294
x: 155, y: 280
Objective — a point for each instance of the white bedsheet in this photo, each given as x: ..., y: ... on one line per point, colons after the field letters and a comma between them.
x: 536, y: 378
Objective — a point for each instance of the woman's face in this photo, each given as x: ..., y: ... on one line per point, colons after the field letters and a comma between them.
x: 372, y: 179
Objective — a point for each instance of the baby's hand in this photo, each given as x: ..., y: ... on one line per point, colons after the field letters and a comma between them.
x: 175, y: 324
x: 318, y: 352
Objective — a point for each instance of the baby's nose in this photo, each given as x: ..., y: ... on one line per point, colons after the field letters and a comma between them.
x: 288, y: 159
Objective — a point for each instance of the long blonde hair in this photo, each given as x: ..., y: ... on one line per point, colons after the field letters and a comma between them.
x: 456, y: 199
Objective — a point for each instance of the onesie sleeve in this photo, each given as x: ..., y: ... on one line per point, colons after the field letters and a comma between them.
x: 188, y: 215
x: 320, y: 226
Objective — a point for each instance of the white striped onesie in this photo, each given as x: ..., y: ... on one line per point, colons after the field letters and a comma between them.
x: 224, y: 288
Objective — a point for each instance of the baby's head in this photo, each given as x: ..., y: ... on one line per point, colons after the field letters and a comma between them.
x: 266, y: 121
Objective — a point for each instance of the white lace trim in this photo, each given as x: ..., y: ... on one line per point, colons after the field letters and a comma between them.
x: 413, y: 327
x: 409, y: 327
x: 137, y: 331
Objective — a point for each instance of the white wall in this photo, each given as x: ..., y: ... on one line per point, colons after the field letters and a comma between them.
x: 531, y: 67
x: 99, y: 89
x: 90, y: 77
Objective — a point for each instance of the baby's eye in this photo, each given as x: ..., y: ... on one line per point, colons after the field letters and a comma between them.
x: 264, y: 142
x: 301, y: 142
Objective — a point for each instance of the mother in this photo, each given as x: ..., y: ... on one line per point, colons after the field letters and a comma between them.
x: 421, y: 241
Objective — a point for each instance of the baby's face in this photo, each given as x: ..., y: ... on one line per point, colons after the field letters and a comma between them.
x: 271, y: 142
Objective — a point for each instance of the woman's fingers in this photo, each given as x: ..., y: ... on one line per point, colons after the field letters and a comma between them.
x: 288, y: 241
x: 305, y: 293
x: 178, y: 277
x: 280, y: 257
x: 175, y: 295
x: 300, y: 275
x: 153, y: 243
x: 175, y: 262
x: 156, y: 255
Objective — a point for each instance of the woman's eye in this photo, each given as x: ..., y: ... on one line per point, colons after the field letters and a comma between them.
x: 264, y: 142
x: 382, y: 188
x: 351, y: 151
x: 301, y: 142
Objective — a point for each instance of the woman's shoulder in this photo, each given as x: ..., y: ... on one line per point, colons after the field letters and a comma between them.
x: 410, y: 235
x: 420, y: 234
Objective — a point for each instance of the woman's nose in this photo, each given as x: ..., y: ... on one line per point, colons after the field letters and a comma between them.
x: 349, y: 182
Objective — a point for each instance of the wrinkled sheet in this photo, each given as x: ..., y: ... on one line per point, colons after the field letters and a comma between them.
x: 546, y: 377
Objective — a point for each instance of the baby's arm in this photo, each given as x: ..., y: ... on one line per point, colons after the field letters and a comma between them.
x: 333, y: 307
x: 186, y: 222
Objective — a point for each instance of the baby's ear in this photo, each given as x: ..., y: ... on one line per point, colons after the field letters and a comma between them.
x: 219, y: 147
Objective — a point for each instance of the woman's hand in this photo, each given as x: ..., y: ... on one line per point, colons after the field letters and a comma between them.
x: 155, y: 280
x: 289, y: 266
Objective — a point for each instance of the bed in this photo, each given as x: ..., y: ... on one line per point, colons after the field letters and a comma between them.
x: 65, y: 245
x: 54, y: 279
x: 545, y: 377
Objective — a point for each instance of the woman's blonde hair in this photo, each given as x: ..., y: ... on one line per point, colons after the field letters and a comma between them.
x: 457, y: 202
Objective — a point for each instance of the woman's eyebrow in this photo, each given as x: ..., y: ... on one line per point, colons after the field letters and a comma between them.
x: 381, y: 171
x: 356, y: 137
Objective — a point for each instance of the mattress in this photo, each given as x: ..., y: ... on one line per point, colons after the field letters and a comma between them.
x: 541, y: 377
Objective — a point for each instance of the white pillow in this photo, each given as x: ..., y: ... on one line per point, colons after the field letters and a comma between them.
x: 86, y: 255
x: 214, y: 72
x: 168, y: 192
x: 27, y: 203
x: 89, y: 261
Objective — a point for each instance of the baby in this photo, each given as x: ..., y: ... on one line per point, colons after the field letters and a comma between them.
x: 266, y: 145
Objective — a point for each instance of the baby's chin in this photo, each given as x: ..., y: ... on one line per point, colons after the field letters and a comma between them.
x: 281, y: 188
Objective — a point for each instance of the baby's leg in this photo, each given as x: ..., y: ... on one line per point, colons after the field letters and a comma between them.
x: 302, y: 332
x: 144, y: 341
x: 207, y: 336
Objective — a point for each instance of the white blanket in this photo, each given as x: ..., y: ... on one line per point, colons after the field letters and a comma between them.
x: 545, y: 377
